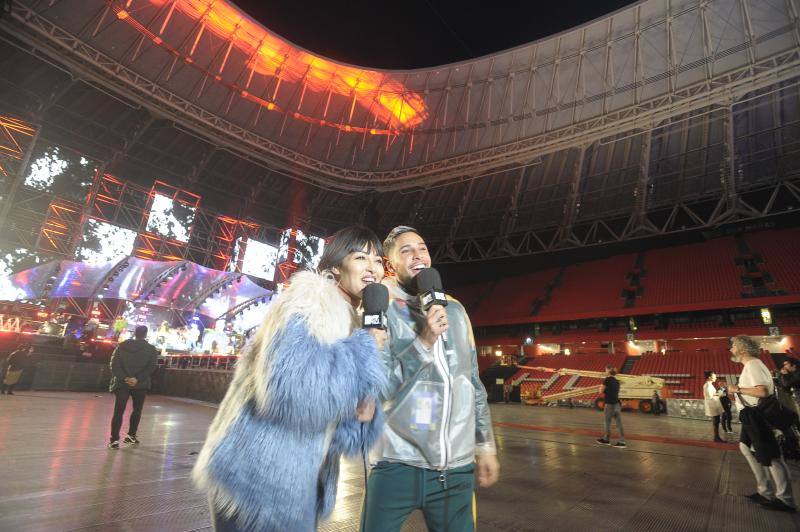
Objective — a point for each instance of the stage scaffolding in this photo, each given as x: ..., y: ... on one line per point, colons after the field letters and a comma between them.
x: 51, y: 227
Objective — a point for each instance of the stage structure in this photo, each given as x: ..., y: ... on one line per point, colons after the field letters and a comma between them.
x: 660, y: 118
x: 166, y: 222
x: 181, y: 286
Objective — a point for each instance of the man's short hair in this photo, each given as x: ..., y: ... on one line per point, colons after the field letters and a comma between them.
x: 611, y: 369
x: 791, y: 361
x: 746, y: 344
x: 391, y: 239
x: 140, y: 332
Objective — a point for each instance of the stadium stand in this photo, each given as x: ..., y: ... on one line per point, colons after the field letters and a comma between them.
x: 692, y: 273
x: 701, y: 276
x: 681, y: 370
x: 780, y: 251
x: 509, y: 299
x: 590, y: 286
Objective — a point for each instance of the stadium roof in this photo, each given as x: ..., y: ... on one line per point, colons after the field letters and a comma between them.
x: 655, y: 105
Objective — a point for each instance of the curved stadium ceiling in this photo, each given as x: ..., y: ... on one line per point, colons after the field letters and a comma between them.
x: 660, y: 103
x: 345, y: 127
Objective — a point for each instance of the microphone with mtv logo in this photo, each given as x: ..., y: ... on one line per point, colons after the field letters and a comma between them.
x: 375, y: 300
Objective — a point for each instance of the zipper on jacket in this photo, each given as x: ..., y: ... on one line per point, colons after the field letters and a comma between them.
x: 439, y: 356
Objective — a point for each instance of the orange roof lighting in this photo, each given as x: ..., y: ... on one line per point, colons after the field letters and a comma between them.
x: 388, y: 100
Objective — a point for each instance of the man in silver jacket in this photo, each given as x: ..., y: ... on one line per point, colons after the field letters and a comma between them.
x: 438, y: 433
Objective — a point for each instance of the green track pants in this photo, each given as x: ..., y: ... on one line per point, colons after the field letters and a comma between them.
x: 395, y: 490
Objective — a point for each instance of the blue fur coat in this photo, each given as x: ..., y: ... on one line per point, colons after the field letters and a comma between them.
x: 272, y: 453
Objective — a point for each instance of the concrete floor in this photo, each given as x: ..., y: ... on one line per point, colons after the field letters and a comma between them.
x: 58, y: 475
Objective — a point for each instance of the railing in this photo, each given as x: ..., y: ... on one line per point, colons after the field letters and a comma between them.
x: 188, y: 361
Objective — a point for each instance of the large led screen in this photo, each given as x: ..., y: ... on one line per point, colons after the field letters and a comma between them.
x: 308, y: 252
x: 103, y: 242
x: 60, y: 171
x: 170, y: 219
x: 259, y: 259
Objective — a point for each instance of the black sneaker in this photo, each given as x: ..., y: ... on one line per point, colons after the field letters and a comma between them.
x: 114, y: 445
x: 780, y: 506
x: 758, y: 498
x: 620, y: 445
x: 603, y: 441
x: 131, y: 439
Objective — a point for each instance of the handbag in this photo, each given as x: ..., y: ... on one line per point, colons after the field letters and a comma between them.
x: 775, y: 413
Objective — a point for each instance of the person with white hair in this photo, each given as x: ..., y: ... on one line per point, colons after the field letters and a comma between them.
x: 757, y: 442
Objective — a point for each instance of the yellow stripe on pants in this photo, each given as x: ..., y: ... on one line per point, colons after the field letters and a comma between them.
x: 474, y: 512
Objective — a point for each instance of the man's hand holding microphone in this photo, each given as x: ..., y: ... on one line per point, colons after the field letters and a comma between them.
x: 433, y: 301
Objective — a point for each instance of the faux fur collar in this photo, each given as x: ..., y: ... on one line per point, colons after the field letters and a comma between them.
x: 316, y: 298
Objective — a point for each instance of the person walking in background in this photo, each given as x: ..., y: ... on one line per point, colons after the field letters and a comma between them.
x: 757, y: 442
x: 612, y: 409
x: 132, y: 364
x: 712, y: 404
x: 789, y: 378
x: 15, y: 365
x: 725, y: 401
x: 658, y: 404
x: 507, y: 389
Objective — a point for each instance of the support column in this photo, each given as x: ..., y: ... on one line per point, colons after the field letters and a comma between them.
x: 639, y: 220
x: 456, y: 223
x: 17, y: 179
x: 727, y: 171
x: 502, y: 246
x: 572, y: 208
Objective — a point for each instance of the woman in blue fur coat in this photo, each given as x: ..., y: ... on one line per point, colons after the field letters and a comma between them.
x: 303, y: 395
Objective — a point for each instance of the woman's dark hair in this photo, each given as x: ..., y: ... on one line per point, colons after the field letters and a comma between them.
x: 707, y: 374
x: 345, y: 241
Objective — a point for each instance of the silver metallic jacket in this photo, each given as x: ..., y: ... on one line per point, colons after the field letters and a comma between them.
x: 437, y: 416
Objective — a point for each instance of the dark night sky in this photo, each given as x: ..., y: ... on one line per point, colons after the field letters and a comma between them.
x: 419, y: 33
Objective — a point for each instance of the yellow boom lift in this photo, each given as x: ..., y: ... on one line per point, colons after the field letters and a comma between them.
x: 635, y: 391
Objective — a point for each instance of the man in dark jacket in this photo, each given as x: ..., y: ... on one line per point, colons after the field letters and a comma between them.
x: 790, y: 379
x: 132, y: 364
x: 15, y: 364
